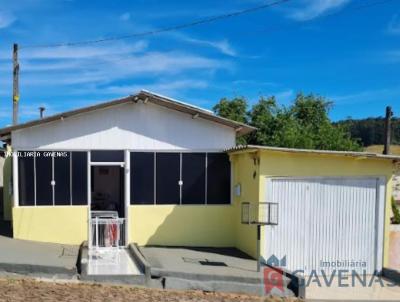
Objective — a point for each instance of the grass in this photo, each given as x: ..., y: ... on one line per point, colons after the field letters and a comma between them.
x: 394, y: 149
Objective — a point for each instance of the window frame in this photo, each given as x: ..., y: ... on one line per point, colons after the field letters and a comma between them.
x: 132, y: 202
x: 154, y: 151
x: 206, y: 152
x: 34, y: 181
x: 35, y: 151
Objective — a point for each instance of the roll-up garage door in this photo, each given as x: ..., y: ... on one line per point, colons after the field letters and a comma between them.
x: 326, y: 224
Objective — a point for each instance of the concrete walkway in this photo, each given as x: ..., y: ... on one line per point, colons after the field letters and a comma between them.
x: 28, y: 257
x: 221, y: 263
x: 209, y: 269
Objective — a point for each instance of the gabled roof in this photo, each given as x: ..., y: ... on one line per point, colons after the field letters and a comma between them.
x: 252, y: 148
x: 144, y: 96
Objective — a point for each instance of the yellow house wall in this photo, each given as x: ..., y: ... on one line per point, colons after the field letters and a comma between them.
x: 187, y: 225
x: 58, y: 224
x: 246, y: 175
x: 297, y: 164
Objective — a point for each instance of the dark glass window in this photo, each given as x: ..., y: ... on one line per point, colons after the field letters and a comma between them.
x: 62, y: 188
x: 79, y: 178
x: 218, y: 178
x: 167, y: 178
x: 107, y: 156
x: 193, y: 176
x: 44, y: 189
x: 26, y: 181
x: 142, y: 178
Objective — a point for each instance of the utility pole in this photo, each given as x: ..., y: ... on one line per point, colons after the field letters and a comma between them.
x: 388, y: 130
x: 41, y: 110
x: 15, y: 84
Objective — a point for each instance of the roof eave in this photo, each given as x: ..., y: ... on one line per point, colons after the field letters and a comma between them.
x: 240, y: 128
x: 251, y: 148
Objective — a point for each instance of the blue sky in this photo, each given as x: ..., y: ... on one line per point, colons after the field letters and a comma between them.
x: 328, y: 47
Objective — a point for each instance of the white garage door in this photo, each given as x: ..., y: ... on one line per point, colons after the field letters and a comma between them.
x: 326, y: 223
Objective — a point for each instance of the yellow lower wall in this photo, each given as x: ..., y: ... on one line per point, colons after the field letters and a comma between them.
x: 188, y: 225
x: 63, y: 224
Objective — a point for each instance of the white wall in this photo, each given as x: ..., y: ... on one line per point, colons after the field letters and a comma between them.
x: 128, y: 126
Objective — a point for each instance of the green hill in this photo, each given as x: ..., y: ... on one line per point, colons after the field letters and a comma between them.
x: 371, y: 131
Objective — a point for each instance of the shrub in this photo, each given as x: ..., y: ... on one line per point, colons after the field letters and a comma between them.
x: 396, y: 213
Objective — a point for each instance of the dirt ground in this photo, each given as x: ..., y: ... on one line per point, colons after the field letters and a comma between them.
x: 30, y: 290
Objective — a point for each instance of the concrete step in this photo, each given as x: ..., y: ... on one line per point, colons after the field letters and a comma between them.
x: 112, y: 267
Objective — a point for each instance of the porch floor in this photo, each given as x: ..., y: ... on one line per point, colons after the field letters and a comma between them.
x: 118, y: 262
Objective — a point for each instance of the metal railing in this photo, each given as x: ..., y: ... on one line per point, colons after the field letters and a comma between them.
x: 262, y: 213
x: 107, y: 231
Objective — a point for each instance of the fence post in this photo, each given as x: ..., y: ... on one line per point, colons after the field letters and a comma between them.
x: 97, y: 232
x: 258, y: 247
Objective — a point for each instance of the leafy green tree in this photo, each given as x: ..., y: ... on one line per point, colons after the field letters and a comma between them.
x: 235, y: 109
x: 304, y: 124
x: 264, y: 116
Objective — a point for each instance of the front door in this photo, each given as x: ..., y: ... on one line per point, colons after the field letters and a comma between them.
x: 107, y: 203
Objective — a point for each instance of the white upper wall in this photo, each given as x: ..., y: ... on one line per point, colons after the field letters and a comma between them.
x: 134, y: 126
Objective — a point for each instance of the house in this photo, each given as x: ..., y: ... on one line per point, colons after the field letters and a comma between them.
x: 173, y: 173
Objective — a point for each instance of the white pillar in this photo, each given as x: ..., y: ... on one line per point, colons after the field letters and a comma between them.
x: 127, y: 193
x: 89, y: 200
x: 15, y: 178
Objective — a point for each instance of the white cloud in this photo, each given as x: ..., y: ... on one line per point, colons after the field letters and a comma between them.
x: 390, y: 56
x: 79, y: 52
x: 125, y: 17
x: 311, y: 9
x: 6, y: 19
x: 367, y: 96
x: 251, y: 82
x: 32, y: 110
x: 223, y: 45
x: 27, y: 111
x: 285, y: 95
x: 107, y: 69
x: 168, y: 88
x: 393, y: 27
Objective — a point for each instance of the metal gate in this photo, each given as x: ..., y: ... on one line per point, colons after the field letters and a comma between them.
x: 326, y: 224
x: 107, y: 231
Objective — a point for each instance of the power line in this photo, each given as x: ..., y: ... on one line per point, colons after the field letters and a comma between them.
x: 165, y: 29
x: 271, y: 29
x: 332, y: 14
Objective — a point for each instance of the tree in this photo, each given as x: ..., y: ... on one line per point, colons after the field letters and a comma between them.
x: 235, y: 109
x: 304, y: 124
